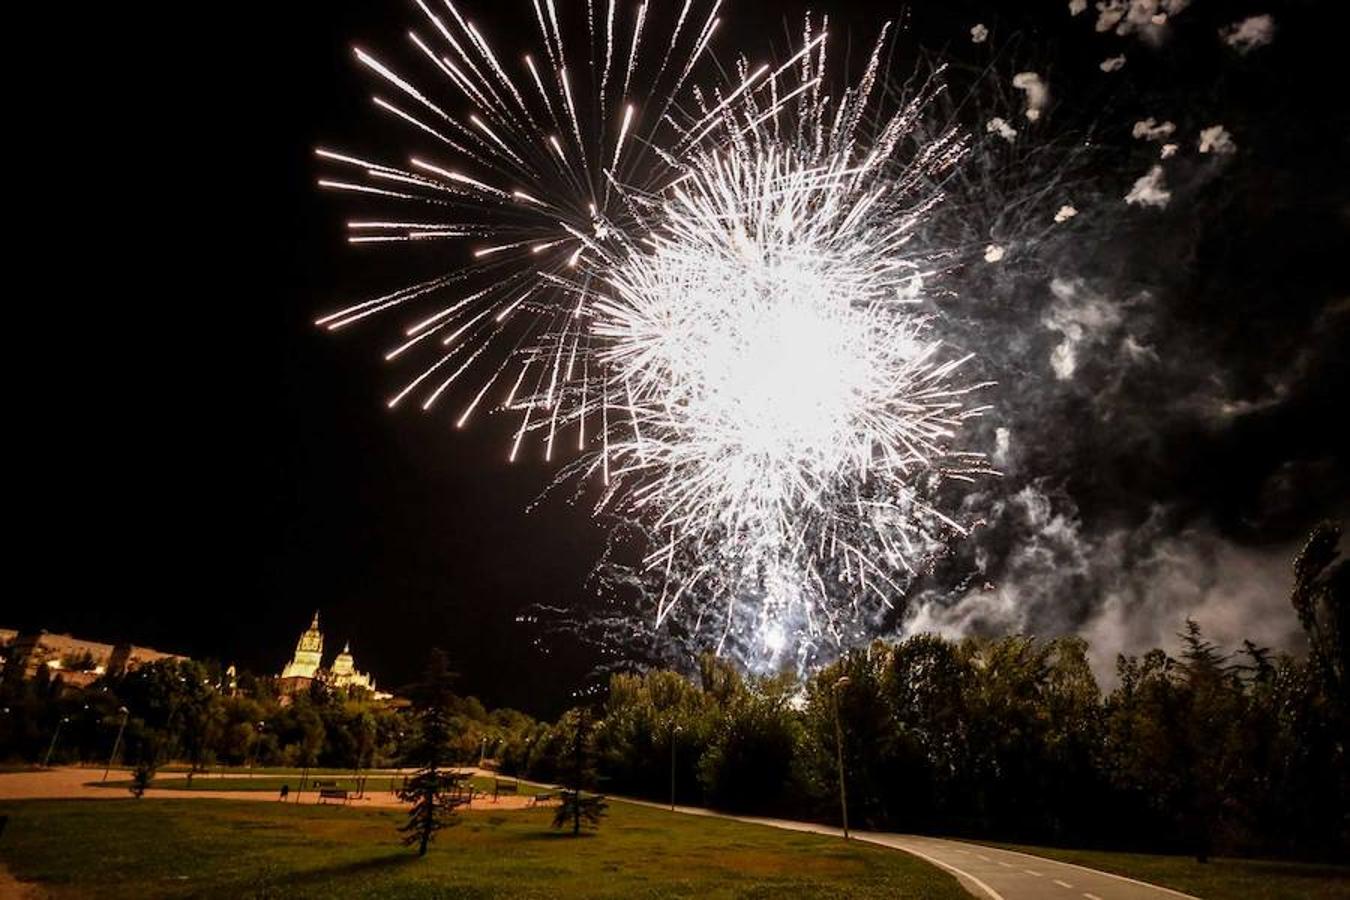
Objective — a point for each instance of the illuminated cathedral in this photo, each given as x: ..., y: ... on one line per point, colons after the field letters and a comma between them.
x: 306, y: 667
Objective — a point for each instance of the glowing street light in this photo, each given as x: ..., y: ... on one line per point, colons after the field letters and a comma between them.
x: 46, y: 760
x: 117, y: 744
x: 839, y: 750
x: 674, y: 730
x: 257, y: 739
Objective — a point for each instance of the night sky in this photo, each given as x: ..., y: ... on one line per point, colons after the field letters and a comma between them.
x: 200, y: 468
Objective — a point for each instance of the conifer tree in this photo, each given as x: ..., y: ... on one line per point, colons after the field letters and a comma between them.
x: 577, y: 807
x: 434, y: 790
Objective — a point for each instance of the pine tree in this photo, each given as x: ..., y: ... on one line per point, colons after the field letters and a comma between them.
x: 577, y: 807
x: 434, y: 790
x: 1213, y: 697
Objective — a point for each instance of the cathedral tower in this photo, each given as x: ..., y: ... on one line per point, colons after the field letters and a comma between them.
x: 308, y: 653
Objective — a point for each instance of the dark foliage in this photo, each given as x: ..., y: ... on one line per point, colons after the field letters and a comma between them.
x: 578, y: 808
x: 434, y: 790
x: 1201, y: 751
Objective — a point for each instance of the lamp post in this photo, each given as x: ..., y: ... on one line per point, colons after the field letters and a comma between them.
x: 46, y: 760
x: 674, y: 730
x: 839, y: 751
x: 257, y: 738
x: 117, y: 744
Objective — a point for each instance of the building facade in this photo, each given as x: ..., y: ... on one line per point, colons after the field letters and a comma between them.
x: 76, y: 661
x: 306, y: 667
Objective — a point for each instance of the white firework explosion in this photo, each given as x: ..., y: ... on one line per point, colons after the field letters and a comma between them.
x: 735, y: 306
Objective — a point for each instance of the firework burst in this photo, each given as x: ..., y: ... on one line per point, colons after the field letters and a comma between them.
x: 722, y: 296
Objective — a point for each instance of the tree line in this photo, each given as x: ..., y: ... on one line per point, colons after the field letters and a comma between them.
x: 1204, y: 750
x: 189, y: 712
x: 1199, y: 751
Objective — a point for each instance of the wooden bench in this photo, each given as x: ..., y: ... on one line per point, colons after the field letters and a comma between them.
x: 504, y: 787
x: 547, y: 797
x: 334, y: 794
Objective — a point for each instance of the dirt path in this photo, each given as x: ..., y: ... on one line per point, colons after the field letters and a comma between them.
x: 76, y: 783
x: 12, y: 888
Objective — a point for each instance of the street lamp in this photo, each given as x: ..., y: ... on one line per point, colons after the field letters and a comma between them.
x: 257, y: 738
x: 46, y: 760
x: 117, y: 744
x: 839, y: 750
x: 674, y: 730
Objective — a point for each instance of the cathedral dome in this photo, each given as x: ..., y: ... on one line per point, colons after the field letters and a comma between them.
x: 344, y: 664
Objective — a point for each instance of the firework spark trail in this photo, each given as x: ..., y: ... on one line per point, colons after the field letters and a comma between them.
x: 736, y: 306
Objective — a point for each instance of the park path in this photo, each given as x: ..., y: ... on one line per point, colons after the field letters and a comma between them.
x: 12, y: 888
x: 986, y: 872
x: 79, y: 783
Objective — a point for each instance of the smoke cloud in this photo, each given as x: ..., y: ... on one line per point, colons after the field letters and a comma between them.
x: 1125, y: 591
x: 1149, y: 190
x: 1249, y: 34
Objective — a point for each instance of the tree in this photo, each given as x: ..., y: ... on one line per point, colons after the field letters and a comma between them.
x: 927, y: 686
x: 434, y: 790
x: 752, y: 761
x: 1211, y: 694
x: 846, y: 717
x: 577, y: 807
x: 1321, y: 597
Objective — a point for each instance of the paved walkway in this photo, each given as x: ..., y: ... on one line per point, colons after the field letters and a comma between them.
x: 986, y: 872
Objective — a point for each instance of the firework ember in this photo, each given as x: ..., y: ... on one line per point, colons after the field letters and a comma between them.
x: 721, y: 293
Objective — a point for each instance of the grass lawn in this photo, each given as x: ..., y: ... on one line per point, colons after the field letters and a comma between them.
x: 1218, y: 879
x: 206, y: 848
x: 375, y: 783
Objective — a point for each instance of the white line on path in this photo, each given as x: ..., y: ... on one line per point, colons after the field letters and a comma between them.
x: 1091, y: 896
x: 1156, y: 887
x: 1063, y: 884
x: 1033, y: 872
x: 994, y: 895
x: 1005, y: 865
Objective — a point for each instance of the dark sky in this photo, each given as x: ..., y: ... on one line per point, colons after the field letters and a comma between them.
x: 200, y: 468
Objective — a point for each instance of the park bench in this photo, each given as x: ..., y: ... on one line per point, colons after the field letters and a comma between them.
x: 504, y: 787
x: 546, y: 797
x: 333, y: 794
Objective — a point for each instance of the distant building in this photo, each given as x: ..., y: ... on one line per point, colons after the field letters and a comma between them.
x: 7, y: 636
x: 306, y: 667
x: 76, y: 661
